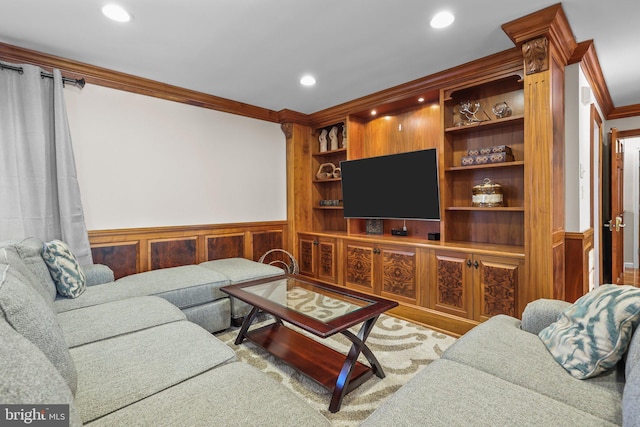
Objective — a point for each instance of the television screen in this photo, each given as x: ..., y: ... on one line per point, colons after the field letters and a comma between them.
x: 399, y: 186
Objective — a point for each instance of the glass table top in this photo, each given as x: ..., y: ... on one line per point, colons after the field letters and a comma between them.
x: 316, y: 302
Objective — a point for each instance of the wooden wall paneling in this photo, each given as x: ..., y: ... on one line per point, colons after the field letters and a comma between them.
x: 224, y: 246
x: 158, y: 247
x: 576, y: 252
x: 264, y: 241
x: 172, y: 252
x: 121, y: 257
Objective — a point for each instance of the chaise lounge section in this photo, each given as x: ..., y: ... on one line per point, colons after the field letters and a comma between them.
x: 501, y: 374
x: 131, y: 360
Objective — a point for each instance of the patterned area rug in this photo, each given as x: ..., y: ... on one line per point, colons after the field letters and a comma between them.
x: 402, y: 348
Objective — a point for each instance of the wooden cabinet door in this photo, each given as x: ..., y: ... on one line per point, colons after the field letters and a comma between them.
x: 359, y: 268
x: 327, y: 260
x: 496, y: 281
x: 318, y: 257
x: 307, y: 254
x: 399, y: 274
x: 451, y: 283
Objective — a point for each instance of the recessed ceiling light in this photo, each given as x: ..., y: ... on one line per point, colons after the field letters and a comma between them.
x: 374, y: 112
x: 442, y: 19
x: 116, y: 13
x: 307, y: 80
x: 420, y: 99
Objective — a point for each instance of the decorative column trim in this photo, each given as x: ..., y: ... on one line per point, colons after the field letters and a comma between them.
x: 536, y: 55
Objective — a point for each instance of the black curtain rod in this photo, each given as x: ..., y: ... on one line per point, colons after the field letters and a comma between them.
x: 77, y: 82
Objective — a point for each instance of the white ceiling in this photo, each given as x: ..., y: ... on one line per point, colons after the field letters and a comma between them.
x: 255, y: 51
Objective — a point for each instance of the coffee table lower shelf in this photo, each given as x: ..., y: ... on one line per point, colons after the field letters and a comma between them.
x: 315, y: 360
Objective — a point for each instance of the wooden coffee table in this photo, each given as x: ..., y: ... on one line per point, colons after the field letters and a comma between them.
x: 323, y: 310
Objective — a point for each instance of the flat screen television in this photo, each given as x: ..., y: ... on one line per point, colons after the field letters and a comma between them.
x: 396, y: 186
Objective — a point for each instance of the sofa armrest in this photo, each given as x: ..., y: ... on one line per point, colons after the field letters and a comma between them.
x: 539, y: 314
x: 97, y: 274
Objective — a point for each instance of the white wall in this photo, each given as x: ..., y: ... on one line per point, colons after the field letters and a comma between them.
x: 145, y: 162
x: 578, y: 174
x: 577, y: 150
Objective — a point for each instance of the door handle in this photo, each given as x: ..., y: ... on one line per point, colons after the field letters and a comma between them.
x: 615, y: 226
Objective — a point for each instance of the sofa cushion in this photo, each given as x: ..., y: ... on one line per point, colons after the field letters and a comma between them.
x: 447, y: 393
x: 9, y: 255
x: 631, y: 409
x: 25, y: 310
x: 99, y: 322
x: 30, y: 250
x: 67, y: 274
x: 592, y: 335
x: 541, y: 313
x: 632, y: 359
x: 257, y: 400
x: 28, y: 377
x: 500, y: 348
x: 119, y: 371
x: 240, y: 270
x: 184, y: 286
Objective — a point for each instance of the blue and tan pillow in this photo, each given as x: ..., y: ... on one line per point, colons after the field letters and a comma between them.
x: 592, y: 335
x: 63, y: 266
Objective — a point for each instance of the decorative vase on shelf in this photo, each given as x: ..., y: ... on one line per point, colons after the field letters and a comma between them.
x: 323, y: 140
x: 344, y: 136
x: 333, y: 138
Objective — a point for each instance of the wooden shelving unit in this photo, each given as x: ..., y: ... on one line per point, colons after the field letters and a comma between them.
x: 462, y: 221
x: 327, y: 218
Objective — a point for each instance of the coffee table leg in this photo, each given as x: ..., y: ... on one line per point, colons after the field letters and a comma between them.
x: 248, y: 320
x: 357, y: 346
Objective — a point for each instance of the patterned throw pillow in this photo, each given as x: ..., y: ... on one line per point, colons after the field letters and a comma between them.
x: 64, y: 268
x: 592, y: 335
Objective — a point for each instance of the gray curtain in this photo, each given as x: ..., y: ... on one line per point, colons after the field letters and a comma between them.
x: 39, y: 192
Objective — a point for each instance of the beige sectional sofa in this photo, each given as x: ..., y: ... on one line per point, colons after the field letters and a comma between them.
x: 119, y: 357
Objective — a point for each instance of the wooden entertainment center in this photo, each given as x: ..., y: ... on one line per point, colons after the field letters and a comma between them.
x: 490, y: 260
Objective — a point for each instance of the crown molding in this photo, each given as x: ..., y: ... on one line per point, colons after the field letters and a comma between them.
x: 586, y: 55
x: 397, y: 97
x: 130, y: 83
x: 550, y: 23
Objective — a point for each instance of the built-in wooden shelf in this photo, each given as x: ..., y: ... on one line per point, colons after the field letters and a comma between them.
x: 327, y: 180
x: 496, y: 209
x: 489, y: 123
x: 330, y: 152
x: 517, y: 163
x: 328, y: 207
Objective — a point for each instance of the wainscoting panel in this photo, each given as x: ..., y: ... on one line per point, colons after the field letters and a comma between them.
x: 224, y: 246
x: 129, y: 251
x: 122, y: 257
x: 167, y: 253
x: 577, y: 247
x: 264, y: 241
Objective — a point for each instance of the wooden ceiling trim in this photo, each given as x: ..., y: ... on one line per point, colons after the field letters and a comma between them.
x: 505, y: 61
x: 551, y: 23
x: 586, y: 55
x: 626, y: 111
x: 121, y: 81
